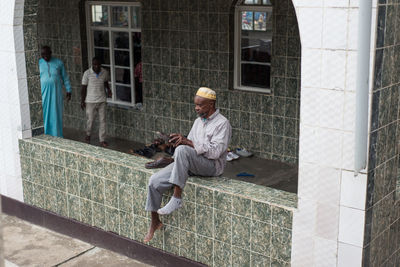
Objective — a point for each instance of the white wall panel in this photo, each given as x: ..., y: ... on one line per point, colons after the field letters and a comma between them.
x: 327, y: 186
x: 14, y: 109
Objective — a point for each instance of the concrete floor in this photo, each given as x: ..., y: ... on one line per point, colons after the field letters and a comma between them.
x: 269, y: 173
x: 26, y: 244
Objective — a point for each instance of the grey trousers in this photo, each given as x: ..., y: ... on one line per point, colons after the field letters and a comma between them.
x: 91, y: 111
x: 185, y: 160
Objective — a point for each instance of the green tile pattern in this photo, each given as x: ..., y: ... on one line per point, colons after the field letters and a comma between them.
x: 222, y: 223
x: 53, y: 23
x: 382, y: 217
x: 185, y: 45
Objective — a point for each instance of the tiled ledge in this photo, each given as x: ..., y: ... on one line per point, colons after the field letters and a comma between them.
x: 223, y: 221
x: 246, y: 190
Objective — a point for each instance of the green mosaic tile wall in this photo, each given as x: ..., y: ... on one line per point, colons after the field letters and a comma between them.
x: 223, y: 222
x: 51, y: 23
x: 186, y: 44
x: 32, y: 68
x: 382, y: 229
x: 58, y: 27
x: 190, y: 44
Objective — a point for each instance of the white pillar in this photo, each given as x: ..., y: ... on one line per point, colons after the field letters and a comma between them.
x: 14, y: 103
x: 328, y: 226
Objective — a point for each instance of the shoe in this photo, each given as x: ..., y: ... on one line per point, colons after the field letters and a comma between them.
x: 104, y: 144
x: 155, y: 147
x: 138, y: 153
x: 138, y: 106
x: 158, y: 141
x: 163, y: 147
x: 163, y: 136
x: 87, y: 139
x: 170, y: 150
x: 148, y: 152
x: 243, y: 152
x: 234, y: 156
x: 159, y: 163
x: 231, y: 156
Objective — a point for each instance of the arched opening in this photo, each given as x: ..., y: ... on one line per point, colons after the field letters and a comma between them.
x: 181, y: 52
x: 185, y: 45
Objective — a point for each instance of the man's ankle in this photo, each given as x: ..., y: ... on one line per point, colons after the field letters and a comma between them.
x: 177, y: 192
x: 155, y: 223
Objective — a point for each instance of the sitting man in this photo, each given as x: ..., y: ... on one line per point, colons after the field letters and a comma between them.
x: 202, y: 153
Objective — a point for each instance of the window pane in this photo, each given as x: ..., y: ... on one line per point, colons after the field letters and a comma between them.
x: 103, y: 55
x: 122, y: 58
x: 99, y: 15
x: 137, y: 47
x: 247, y: 20
x: 260, y: 21
x: 119, y: 16
x: 254, y: 75
x: 257, y: 2
x: 123, y: 76
x: 257, y: 50
x: 123, y: 93
x: 101, y: 38
x: 135, y: 11
x: 109, y: 76
x: 121, y: 40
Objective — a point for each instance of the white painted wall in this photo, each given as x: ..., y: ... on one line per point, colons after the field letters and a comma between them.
x: 14, y: 105
x: 328, y: 226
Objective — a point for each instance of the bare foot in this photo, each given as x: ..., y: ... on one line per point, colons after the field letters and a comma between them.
x: 153, y: 227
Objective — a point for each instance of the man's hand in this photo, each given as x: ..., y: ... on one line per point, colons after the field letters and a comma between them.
x: 83, y: 105
x: 178, y: 139
x: 68, y: 97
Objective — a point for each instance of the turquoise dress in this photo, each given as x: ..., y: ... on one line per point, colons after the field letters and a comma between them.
x: 52, y: 78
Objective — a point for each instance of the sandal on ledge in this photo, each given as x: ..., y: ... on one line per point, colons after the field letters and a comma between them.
x: 159, y: 163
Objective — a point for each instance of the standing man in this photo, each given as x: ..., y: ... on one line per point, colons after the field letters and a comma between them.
x: 93, y: 98
x: 202, y: 153
x: 52, y: 78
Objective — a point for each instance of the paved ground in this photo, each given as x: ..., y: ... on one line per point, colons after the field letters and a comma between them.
x: 26, y: 244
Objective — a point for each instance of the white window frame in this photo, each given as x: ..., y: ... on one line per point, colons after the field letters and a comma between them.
x: 110, y: 29
x: 237, y: 50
